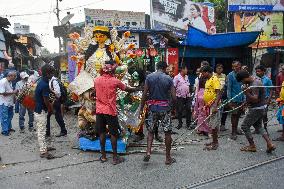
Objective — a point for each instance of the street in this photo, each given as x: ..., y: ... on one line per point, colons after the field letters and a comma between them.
x: 22, y: 168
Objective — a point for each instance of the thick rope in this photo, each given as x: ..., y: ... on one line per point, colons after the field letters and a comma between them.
x: 220, y: 107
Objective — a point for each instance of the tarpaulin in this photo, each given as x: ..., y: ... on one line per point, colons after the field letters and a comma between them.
x: 198, y: 38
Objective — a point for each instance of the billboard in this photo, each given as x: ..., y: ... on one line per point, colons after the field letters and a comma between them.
x: 175, y: 15
x: 271, y: 25
x: 255, y: 5
x: 113, y: 18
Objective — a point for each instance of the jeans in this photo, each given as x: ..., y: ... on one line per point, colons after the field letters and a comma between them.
x: 6, y: 115
x: 183, y: 104
x: 58, y: 118
x: 22, y: 114
x: 40, y: 120
x: 17, y: 107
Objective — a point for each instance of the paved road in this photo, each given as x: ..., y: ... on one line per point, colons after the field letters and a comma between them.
x: 267, y: 176
x: 76, y: 169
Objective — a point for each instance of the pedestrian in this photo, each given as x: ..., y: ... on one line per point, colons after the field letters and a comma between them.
x: 140, y: 134
x: 7, y: 100
x: 260, y: 72
x: 20, y: 85
x: 158, y: 90
x: 33, y: 76
x: 182, y: 87
x: 54, y: 86
x: 106, y: 87
x: 42, y: 108
x: 234, y: 90
x: 280, y: 114
x: 199, y: 113
x: 255, y: 99
x: 279, y: 80
x: 212, y: 97
x: 222, y: 78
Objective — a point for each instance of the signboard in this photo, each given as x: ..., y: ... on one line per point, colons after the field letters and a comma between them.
x: 113, y: 18
x: 133, y: 39
x: 173, y: 59
x: 175, y: 15
x: 271, y: 25
x: 255, y: 5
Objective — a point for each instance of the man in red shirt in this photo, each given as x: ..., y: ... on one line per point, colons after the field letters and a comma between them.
x: 106, y: 87
x: 279, y: 80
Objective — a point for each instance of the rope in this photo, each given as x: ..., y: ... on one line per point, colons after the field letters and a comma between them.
x: 219, y: 108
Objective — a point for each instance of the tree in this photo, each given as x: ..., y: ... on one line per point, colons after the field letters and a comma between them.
x: 220, y: 13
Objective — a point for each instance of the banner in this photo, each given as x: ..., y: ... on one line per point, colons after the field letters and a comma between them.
x: 271, y: 25
x: 175, y: 15
x: 113, y: 18
x: 255, y: 5
x: 173, y: 59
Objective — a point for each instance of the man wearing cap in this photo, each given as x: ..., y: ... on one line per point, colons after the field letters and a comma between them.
x: 20, y: 85
x: 7, y: 95
x: 106, y: 86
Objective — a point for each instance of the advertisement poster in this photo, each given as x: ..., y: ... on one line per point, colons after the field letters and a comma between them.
x: 172, y: 59
x: 176, y: 15
x: 271, y: 25
x: 255, y: 5
x: 113, y: 18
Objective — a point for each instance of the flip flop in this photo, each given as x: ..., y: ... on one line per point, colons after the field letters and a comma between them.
x: 279, y: 139
x: 146, y: 158
x: 248, y: 149
x: 118, y: 160
x: 270, y: 149
x: 211, y: 147
x: 173, y: 160
x: 102, y: 160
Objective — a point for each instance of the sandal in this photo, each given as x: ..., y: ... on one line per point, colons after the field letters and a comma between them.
x: 211, y: 147
x: 248, y: 149
x: 146, y: 158
x: 208, y: 144
x: 50, y: 149
x: 118, y: 160
x: 281, y: 139
x: 103, y: 160
x: 173, y: 160
x: 270, y: 149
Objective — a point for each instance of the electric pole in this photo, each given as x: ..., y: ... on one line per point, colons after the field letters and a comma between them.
x: 58, y: 23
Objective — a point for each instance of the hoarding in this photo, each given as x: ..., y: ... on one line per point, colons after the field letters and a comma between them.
x: 176, y: 15
x: 113, y: 18
x: 271, y: 25
x: 255, y: 5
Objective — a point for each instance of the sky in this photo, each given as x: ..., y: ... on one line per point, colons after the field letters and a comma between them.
x: 42, y: 24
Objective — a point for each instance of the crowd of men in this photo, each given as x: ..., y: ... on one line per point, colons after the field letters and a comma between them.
x: 204, y: 101
x: 14, y: 83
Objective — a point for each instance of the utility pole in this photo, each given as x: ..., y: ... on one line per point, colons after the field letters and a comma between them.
x: 58, y: 23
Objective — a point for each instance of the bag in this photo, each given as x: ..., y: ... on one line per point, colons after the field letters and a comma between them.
x: 63, y: 91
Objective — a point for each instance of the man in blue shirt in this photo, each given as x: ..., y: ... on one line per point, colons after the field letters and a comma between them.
x: 260, y: 72
x: 158, y: 90
x: 234, y: 89
x: 42, y: 107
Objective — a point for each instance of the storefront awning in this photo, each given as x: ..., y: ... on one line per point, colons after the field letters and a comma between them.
x: 198, y: 38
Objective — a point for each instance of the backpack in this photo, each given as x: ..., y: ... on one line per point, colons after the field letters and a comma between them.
x: 63, y: 91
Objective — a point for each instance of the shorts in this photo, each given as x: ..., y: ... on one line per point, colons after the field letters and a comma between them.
x: 214, y: 121
x: 162, y: 119
x: 103, y: 120
x: 238, y: 111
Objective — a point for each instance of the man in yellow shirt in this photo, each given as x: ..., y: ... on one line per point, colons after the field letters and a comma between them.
x: 212, y: 96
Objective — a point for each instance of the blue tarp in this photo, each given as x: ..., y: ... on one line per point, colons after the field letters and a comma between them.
x: 198, y: 38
